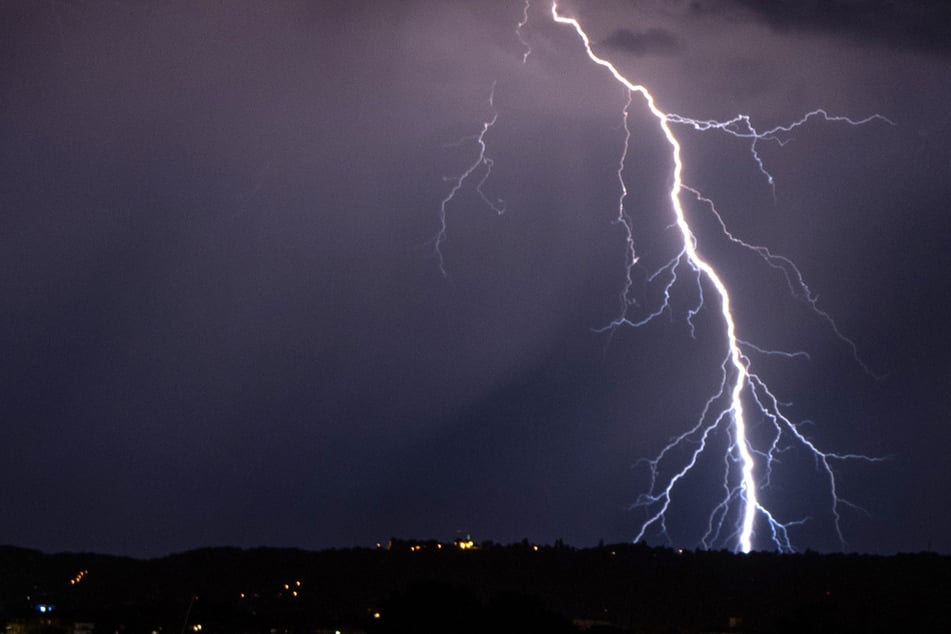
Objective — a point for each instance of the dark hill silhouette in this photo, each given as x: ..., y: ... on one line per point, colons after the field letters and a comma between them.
x: 425, y: 586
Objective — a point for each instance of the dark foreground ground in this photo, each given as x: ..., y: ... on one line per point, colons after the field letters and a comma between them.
x: 409, y: 586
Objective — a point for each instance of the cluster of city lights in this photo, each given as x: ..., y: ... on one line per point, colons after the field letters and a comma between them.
x: 461, y: 544
x: 291, y: 588
x: 79, y: 576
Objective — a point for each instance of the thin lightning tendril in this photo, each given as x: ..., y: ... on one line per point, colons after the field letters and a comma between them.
x: 482, y: 161
x: 794, y: 279
x: 518, y: 31
x: 747, y: 469
x: 741, y: 127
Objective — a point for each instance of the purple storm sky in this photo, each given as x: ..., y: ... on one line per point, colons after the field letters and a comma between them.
x: 222, y: 321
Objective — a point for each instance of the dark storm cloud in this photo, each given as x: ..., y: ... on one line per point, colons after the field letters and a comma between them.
x: 649, y: 42
x: 923, y: 25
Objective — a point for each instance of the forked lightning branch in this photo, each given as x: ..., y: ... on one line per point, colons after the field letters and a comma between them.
x: 738, y: 516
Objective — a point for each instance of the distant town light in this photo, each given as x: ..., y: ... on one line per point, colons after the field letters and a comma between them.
x: 78, y: 577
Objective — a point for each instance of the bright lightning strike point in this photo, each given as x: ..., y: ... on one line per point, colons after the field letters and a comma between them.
x: 747, y: 469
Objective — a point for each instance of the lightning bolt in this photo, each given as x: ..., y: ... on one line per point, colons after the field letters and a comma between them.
x: 739, y: 513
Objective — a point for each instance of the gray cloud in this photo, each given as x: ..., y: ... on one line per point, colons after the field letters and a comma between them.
x: 923, y: 25
x: 649, y: 42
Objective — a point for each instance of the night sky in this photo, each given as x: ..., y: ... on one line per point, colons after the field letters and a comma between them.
x: 223, y: 321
